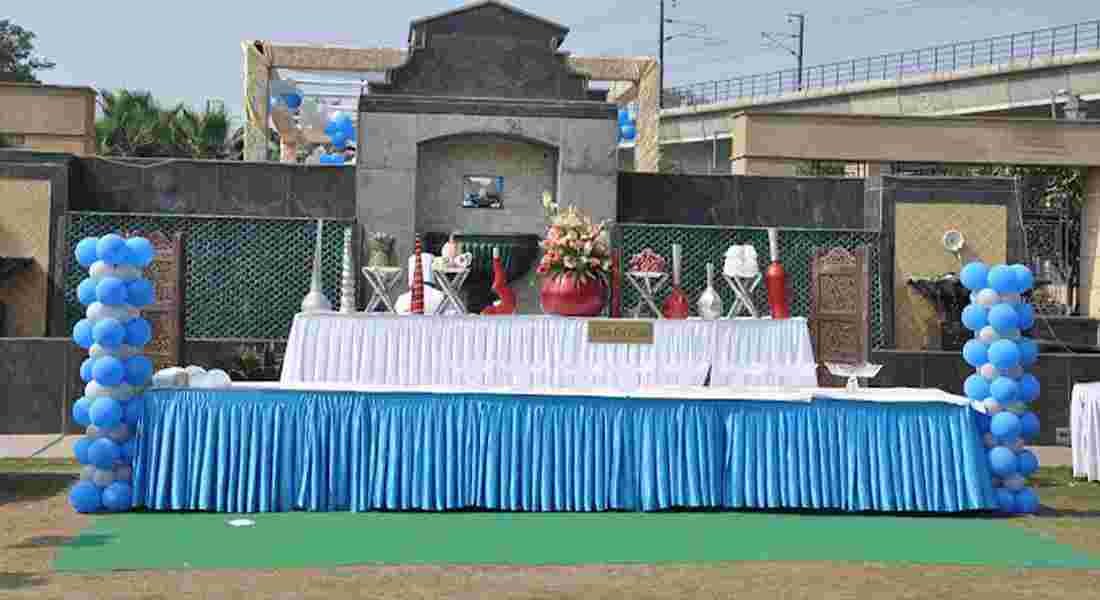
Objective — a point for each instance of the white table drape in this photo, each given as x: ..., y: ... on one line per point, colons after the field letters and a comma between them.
x: 529, y: 351
x: 1085, y: 430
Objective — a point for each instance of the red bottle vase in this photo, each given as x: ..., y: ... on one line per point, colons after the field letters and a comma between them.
x: 775, y: 279
x: 570, y: 296
x: 676, y: 305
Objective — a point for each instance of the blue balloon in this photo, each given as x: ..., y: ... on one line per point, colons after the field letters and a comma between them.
x: 627, y: 132
x: 1004, y: 354
x: 80, y: 450
x: 104, y: 453
x: 975, y: 276
x: 975, y: 317
x: 1024, y: 279
x: 1028, y: 462
x: 134, y: 410
x: 86, y: 291
x: 1006, y: 500
x: 108, y: 333
x: 1004, y: 390
x: 129, y: 450
x: 1003, y: 317
x: 982, y: 421
x: 85, y: 497
x: 141, y: 251
x: 339, y: 140
x: 1029, y: 388
x: 975, y: 353
x: 1002, y: 279
x: 1005, y: 426
x: 111, y: 290
x: 293, y: 101
x: 86, y: 253
x: 108, y: 371
x: 111, y: 249
x: 976, y: 387
x: 1027, y: 503
x: 138, y: 332
x: 1029, y: 426
x: 106, y: 412
x: 139, y: 370
x: 1025, y: 314
x: 332, y: 159
x: 1002, y: 461
x: 80, y: 411
x: 86, y: 372
x: 1029, y: 352
x: 139, y: 292
x: 82, y: 334
x: 118, y: 497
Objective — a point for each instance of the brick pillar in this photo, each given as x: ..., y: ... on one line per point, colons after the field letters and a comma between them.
x: 256, y: 99
x: 1090, y: 245
x: 647, y: 145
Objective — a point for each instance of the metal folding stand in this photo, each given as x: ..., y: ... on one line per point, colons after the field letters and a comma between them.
x: 381, y: 280
x: 742, y: 287
x: 450, y: 282
x: 648, y: 284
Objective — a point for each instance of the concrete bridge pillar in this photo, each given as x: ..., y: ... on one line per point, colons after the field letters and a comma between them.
x: 1090, y: 245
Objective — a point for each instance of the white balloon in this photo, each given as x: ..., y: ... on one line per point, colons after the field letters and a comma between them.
x: 120, y: 434
x: 988, y: 335
x: 97, y: 351
x: 988, y: 440
x: 1015, y: 483
x: 103, y: 478
x: 988, y: 297
x: 124, y: 392
x: 988, y: 371
x: 100, y: 270
x: 992, y: 407
x: 94, y: 432
x: 123, y: 473
x: 94, y: 390
x: 218, y: 378
x: 86, y: 473
x: 127, y: 272
x: 1015, y: 372
x: 98, y: 310
x: 1012, y: 298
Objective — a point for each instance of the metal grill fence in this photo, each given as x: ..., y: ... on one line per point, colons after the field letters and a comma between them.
x: 1015, y: 48
x: 708, y: 244
x: 244, y: 278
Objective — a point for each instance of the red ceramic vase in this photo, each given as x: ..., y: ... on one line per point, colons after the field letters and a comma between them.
x: 571, y: 296
x: 676, y: 305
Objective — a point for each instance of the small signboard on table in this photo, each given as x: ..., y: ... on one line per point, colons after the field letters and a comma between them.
x: 620, y: 331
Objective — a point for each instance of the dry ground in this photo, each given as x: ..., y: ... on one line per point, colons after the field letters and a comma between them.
x: 36, y: 520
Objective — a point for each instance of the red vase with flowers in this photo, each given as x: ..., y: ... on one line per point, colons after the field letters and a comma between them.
x: 575, y: 262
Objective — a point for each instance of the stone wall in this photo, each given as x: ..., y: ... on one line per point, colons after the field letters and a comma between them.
x: 49, y: 118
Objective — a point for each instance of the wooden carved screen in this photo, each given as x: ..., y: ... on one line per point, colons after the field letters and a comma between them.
x: 840, y: 309
x: 166, y: 313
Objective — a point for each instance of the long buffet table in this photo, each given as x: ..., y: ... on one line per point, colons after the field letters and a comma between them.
x: 325, y: 447
x: 376, y: 349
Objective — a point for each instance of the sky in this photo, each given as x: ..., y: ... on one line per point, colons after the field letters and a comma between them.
x: 189, y: 51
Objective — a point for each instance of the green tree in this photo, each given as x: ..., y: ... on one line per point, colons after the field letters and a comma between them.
x: 133, y: 123
x: 18, y: 61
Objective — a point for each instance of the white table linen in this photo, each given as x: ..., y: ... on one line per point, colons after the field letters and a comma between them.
x: 1084, y: 418
x: 528, y: 351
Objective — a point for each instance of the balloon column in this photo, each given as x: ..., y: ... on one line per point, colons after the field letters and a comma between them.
x: 627, y: 125
x: 115, y: 372
x: 1000, y: 353
x: 340, y: 131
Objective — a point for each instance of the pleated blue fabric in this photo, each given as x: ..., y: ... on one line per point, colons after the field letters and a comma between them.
x: 279, y: 450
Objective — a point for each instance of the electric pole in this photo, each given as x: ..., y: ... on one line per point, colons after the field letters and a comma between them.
x: 661, y: 59
x: 799, y: 19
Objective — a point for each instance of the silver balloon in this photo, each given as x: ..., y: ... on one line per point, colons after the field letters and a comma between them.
x: 94, y: 432
x: 123, y: 473
x: 94, y: 390
x: 1015, y: 372
x: 127, y: 272
x: 1015, y: 483
x: 988, y: 372
x: 1011, y: 334
x: 132, y: 312
x: 120, y: 433
x: 126, y: 351
x: 103, y: 478
x: 1012, y: 298
x: 97, y: 351
x: 992, y: 407
x: 988, y: 297
x: 1019, y: 445
x: 100, y: 269
x: 86, y: 473
x: 1017, y: 408
x: 123, y: 392
x: 98, y: 310
x: 988, y: 335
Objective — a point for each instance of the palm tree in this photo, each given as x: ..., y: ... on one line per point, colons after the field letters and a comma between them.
x: 134, y: 124
x: 201, y: 134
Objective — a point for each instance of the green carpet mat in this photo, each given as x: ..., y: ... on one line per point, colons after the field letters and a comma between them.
x: 289, y: 540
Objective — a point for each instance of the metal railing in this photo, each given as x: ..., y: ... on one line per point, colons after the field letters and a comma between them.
x: 1066, y: 40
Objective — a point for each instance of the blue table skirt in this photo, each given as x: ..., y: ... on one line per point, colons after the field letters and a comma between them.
x: 278, y: 450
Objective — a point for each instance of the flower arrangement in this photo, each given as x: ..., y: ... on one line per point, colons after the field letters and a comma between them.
x: 574, y: 245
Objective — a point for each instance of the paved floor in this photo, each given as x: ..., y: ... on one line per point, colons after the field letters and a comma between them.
x: 22, y: 446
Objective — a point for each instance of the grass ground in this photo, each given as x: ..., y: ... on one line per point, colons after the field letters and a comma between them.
x: 37, y: 521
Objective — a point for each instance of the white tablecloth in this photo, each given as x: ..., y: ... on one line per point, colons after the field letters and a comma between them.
x: 1084, y: 420
x: 542, y: 351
